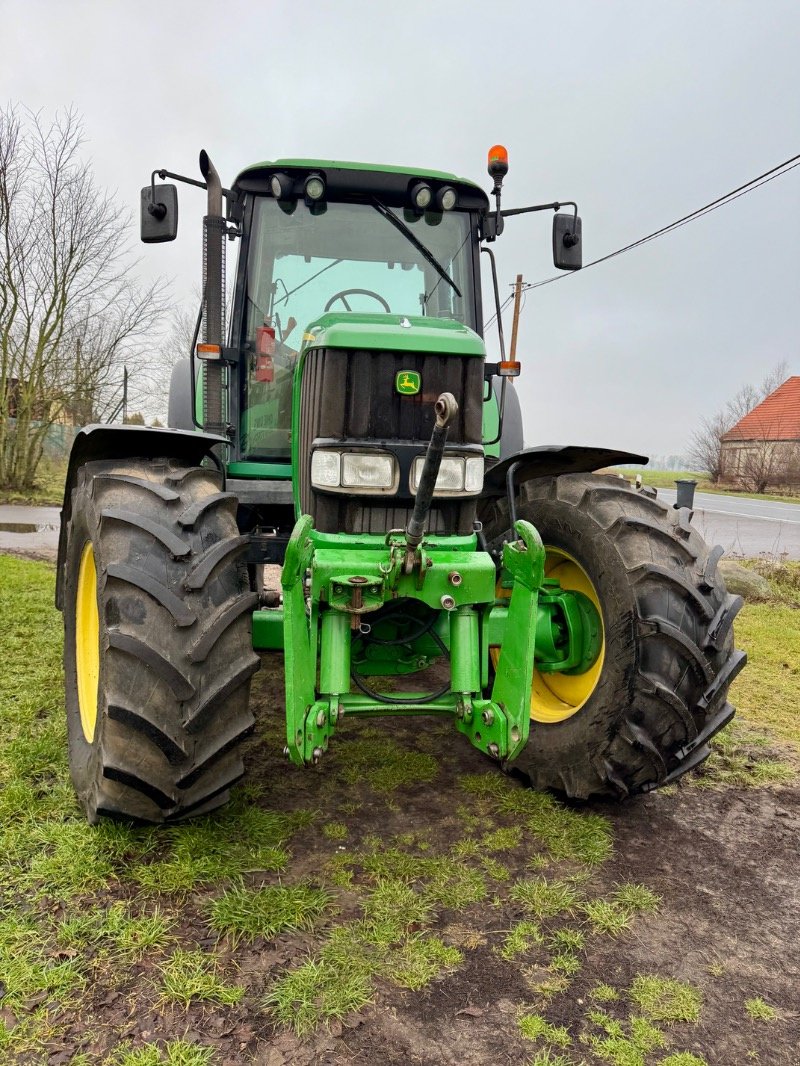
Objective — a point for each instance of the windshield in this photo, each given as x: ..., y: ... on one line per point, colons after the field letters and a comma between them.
x: 345, y: 257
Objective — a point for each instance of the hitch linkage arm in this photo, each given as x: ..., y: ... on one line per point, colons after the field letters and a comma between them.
x: 446, y: 409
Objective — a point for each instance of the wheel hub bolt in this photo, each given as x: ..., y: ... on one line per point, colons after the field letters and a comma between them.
x: 488, y: 716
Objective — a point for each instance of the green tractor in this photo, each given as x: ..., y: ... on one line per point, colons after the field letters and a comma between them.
x: 344, y: 479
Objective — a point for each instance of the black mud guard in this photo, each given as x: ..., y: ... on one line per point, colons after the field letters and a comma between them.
x: 124, y: 442
x: 550, y: 460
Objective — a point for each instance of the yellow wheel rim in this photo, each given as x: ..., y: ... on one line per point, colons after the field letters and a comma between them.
x: 87, y: 643
x: 556, y: 697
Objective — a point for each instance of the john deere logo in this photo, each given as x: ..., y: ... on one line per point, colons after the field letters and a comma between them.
x: 408, y: 382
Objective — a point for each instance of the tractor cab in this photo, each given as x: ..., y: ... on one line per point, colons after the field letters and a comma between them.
x: 345, y: 240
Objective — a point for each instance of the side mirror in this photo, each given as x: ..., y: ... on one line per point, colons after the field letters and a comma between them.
x: 567, y: 242
x: 159, y: 212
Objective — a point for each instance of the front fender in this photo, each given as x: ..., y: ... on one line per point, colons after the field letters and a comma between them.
x: 124, y: 442
x: 550, y: 460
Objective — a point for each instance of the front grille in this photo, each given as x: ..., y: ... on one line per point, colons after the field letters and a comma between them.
x: 352, y: 395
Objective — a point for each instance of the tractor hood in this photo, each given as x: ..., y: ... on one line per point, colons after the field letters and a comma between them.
x: 392, y: 333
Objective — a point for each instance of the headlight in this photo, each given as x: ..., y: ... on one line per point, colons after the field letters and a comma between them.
x: 457, y: 476
x: 361, y: 472
x: 326, y: 469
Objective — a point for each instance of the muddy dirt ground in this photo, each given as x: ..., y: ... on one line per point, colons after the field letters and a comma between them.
x: 725, y: 864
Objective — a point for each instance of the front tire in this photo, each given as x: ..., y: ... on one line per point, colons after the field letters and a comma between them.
x: 644, y: 716
x: 157, y: 652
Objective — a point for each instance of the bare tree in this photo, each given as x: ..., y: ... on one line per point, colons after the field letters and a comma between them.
x: 70, y: 312
x: 706, y: 442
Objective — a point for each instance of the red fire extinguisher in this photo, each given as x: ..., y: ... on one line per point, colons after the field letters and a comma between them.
x: 265, y: 350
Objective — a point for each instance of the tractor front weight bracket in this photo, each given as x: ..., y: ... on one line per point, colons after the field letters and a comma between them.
x: 333, y: 584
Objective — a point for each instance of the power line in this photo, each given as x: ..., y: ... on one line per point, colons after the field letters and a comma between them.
x: 749, y: 186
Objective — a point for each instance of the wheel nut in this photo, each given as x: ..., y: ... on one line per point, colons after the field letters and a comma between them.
x: 447, y: 602
x: 488, y: 716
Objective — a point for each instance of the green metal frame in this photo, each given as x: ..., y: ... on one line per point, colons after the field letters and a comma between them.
x: 331, y: 582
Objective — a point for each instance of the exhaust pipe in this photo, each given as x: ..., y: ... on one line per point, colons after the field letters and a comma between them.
x: 213, y: 297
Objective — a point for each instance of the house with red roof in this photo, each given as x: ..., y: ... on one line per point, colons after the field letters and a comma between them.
x: 763, y: 448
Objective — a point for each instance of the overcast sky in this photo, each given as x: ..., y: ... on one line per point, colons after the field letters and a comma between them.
x: 640, y: 111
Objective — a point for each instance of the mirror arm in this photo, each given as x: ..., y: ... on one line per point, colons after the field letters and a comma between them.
x: 158, y: 209
x: 540, y: 207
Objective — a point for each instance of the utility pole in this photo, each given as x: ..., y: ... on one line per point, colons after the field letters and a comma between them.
x: 515, y: 322
x: 124, y: 395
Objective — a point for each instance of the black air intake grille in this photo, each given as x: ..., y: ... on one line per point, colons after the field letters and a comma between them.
x: 352, y: 395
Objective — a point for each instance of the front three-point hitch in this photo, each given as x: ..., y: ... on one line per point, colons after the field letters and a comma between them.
x: 431, y: 597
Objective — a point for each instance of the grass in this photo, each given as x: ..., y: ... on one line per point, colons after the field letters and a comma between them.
x: 48, y: 489
x: 604, y: 993
x: 127, y: 909
x: 783, y: 577
x: 744, y: 757
x: 193, y: 975
x: 547, y: 1057
x: 241, y: 839
x: 683, y: 1058
x: 386, y: 766
x: 665, y: 1000
x: 317, y: 992
x: 535, y: 1027
x: 115, y: 932
x: 173, y: 1053
x: 760, y: 1011
x: 623, y: 1045
x: 544, y: 899
x: 244, y: 913
x: 665, y: 479
x: 767, y: 692
x: 565, y: 834
x: 520, y: 939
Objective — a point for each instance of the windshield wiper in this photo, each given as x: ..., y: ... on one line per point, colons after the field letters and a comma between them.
x: 398, y: 223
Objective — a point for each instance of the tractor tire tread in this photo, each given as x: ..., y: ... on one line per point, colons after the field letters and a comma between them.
x: 173, y: 712
x: 668, y: 622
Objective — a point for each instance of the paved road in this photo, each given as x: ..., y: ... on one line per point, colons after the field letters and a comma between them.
x: 741, y: 526
x: 745, y: 527
x: 29, y: 529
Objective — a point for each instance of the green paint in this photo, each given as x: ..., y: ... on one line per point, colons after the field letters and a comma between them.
x: 255, y: 169
x: 491, y: 425
x: 353, y: 577
x: 260, y: 470
x: 374, y: 331
x: 408, y: 382
x: 268, y: 630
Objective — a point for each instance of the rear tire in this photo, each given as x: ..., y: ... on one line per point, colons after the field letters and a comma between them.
x: 172, y: 658
x: 669, y: 658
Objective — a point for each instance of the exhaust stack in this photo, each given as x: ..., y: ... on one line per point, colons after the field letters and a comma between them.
x: 214, y: 420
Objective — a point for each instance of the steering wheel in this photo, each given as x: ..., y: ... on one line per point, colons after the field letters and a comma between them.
x: 344, y: 293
